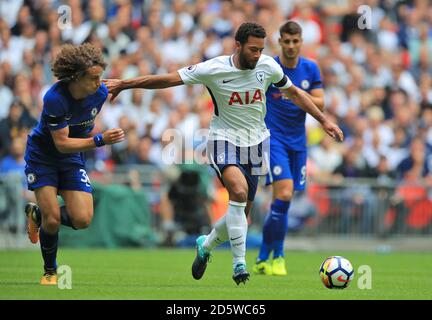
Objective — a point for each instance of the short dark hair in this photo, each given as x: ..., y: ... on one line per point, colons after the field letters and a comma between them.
x: 291, y: 27
x: 249, y: 29
x: 73, y: 61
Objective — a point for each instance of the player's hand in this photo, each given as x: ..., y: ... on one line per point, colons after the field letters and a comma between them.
x: 333, y: 131
x: 114, y: 87
x: 112, y: 136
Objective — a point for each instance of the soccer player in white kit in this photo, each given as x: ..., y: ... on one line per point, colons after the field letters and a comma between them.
x: 238, y: 137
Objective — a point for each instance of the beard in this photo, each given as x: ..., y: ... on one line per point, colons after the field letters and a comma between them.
x: 245, y: 64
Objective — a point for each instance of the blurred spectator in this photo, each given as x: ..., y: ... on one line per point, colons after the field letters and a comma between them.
x: 415, y: 166
x: 14, y: 161
x: 377, y: 82
x: 186, y: 206
x: 402, y: 79
x: 326, y: 156
x: 349, y: 20
x: 17, y: 124
x: 9, y: 11
x: 6, y: 96
x: 353, y: 165
x: 11, y: 49
x: 383, y: 173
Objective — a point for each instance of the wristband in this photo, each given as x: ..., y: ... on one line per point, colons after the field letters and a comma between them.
x: 98, y: 140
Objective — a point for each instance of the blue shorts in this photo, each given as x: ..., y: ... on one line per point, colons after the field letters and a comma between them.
x: 287, y: 164
x: 67, y: 178
x: 249, y: 160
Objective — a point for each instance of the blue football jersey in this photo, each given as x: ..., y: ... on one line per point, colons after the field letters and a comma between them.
x: 60, y: 110
x: 285, y: 120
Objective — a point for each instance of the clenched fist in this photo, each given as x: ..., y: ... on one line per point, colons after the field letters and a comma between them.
x: 112, y: 136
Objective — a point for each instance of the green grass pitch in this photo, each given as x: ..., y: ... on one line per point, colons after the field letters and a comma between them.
x: 165, y: 274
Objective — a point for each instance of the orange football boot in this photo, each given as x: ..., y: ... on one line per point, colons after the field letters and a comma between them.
x: 49, y: 278
x: 32, y: 223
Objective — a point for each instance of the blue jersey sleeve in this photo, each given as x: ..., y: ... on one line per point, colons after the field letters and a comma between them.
x: 104, y: 91
x: 54, y: 112
x: 316, y: 77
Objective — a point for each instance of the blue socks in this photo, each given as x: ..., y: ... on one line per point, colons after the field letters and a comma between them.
x: 267, y: 242
x: 274, y: 230
x: 64, y: 218
x: 49, y: 244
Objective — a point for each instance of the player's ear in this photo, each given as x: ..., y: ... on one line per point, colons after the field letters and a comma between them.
x: 238, y: 46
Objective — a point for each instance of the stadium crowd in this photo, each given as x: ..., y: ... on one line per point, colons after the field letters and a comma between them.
x: 377, y: 76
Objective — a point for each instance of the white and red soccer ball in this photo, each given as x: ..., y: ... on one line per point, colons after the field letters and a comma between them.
x: 336, y: 272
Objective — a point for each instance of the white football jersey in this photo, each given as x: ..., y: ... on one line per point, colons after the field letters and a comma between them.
x: 238, y: 96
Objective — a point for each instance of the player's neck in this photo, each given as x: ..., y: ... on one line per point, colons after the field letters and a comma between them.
x: 236, y: 61
x: 289, y: 62
x: 75, y: 92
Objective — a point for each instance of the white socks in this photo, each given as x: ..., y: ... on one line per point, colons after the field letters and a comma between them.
x: 237, y: 230
x: 217, y: 236
x: 233, y: 227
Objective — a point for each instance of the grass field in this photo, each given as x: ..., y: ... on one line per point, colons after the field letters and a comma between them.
x: 165, y: 274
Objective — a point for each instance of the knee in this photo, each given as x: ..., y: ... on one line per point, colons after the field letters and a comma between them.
x: 51, y: 222
x: 83, y: 221
x: 238, y: 193
x: 285, y: 194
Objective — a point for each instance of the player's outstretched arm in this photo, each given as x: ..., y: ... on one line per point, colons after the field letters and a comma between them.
x: 317, y: 97
x: 301, y: 99
x: 64, y: 144
x: 158, y: 81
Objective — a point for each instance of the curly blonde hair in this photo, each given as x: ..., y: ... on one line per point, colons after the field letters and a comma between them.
x: 73, y: 61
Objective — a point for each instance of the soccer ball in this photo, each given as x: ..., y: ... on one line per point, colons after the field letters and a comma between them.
x: 336, y: 272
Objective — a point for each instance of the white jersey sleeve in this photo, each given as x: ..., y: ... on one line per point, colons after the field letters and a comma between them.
x: 197, y: 73
x: 277, y: 75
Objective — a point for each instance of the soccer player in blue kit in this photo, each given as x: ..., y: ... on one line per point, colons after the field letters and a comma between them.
x: 286, y: 123
x: 54, y: 158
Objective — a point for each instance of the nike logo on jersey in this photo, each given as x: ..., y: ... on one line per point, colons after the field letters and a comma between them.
x: 226, y: 81
x: 232, y: 239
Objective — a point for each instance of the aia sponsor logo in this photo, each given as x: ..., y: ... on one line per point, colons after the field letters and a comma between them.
x: 242, y: 98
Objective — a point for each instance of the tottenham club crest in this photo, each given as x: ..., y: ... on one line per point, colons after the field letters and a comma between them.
x: 31, y: 178
x: 94, y: 112
x: 260, y: 76
x: 221, y: 158
x: 305, y: 84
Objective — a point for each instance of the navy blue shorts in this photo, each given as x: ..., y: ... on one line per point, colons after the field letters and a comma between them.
x: 250, y: 160
x: 67, y: 178
x: 287, y: 164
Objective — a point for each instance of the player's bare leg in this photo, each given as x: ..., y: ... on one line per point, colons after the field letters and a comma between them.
x: 79, y: 207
